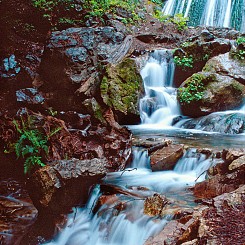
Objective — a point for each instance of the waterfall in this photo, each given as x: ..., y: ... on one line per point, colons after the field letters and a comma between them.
x: 218, y: 13
x: 159, y: 105
x: 173, y: 7
x: 129, y: 225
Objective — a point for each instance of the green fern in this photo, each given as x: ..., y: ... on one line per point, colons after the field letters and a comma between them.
x: 32, y: 143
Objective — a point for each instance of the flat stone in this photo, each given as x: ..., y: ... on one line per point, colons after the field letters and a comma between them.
x: 166, y: 158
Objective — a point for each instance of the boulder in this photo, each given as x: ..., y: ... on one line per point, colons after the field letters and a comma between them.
x: 121, y: 88
x: 153, y: 206
x: 221, y: 183
x: 57, y: 187
x: 225, y: 65
x: 232, y: 123
x: 72, y: 61
x: 166, y: 158
x: 204, y: 93
x: 199, y: 50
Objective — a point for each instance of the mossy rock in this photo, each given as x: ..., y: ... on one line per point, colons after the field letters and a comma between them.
x: 199, y: 52
x: 204, y: 93
x: 121, y: 87
x: 225, y: 64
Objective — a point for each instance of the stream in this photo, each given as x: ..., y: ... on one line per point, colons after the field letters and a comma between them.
x: 120, y: 220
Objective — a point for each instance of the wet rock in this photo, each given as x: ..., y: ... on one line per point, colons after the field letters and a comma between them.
x: 17, y: 212
x: 63, y: 184
x: 154, y: 205
x: 176, y: 231
x: 225, y: 65
x: 220, y: 184
x: 216, y: 93
x: 233, y: 123
x: 169, y: 235
x: 151, y: 144
x: 166, y: 158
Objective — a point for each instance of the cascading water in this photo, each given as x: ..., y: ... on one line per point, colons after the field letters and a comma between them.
x: 218, y: 13
x: 128, y: 225
x: 159, y: 105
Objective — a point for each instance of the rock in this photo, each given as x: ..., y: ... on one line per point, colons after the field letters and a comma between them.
x: 57, y: 187
x: 82, y: 142
x: 121, y: 88
x: 17, y: 212
x: 225, y: 65
x: 151, y: 144
x: 233, y: 123
x: 238, y: 163
x: 29, y: 96
x: 206, y: 36
x: 72, y: 61
x: 232, y: 154
x: 166, y: 158
x: 204, y: 93
x: 224, y: 219
x: 9, y: 67
x: 219, y: 184
x: 200, y: 50
x: 169, y: 235
x: 153, y: 206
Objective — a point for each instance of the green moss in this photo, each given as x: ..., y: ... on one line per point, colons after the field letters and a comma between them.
x: 120, y: 87
x: 193, y: 90
x: 238, y: 87
x: 95, y: 109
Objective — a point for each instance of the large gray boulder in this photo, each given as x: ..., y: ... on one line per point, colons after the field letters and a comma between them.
x: 232, y: 123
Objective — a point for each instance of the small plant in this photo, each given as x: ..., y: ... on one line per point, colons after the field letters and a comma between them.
x: 239, y: 55
x: 240, y: 40
x: 32, y: 143
x: 184, y: 61
x: 180, y: 21
x: 193, y: 91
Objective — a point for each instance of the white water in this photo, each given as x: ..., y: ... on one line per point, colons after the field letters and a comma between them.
x: 159, y: 106
x: 174, y: 7
x: 218, y: 13
x: 131, y: 226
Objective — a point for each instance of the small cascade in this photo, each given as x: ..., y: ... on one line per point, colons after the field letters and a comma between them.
x: 159, y: 105
x: 129, y: 225
x: 218, y: 13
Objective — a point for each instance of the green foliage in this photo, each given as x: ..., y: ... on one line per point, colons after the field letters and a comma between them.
x: 54, y: 10
x: 97, y: 8
x: 184, y: 61
x: 240, y: 40
x: 179, y: 20
x: 193, y: 90
x: 32, y: 143
x: 239, y: 55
